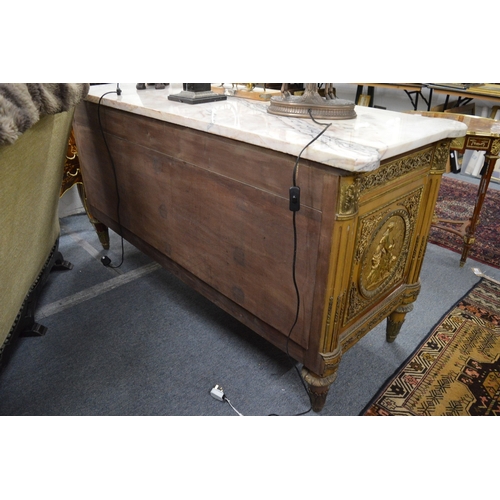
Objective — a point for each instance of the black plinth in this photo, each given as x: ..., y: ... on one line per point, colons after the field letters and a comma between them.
x: 197, y: 93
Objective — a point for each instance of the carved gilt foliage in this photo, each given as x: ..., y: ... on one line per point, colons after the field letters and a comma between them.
x: 367, y: 224
x: 458, y: 143
x: 441, y: 155
x: 350, y: 193
x: 349, y: 196
x: 495, y: 148
x: 412, y: 203
x: 395, y: 169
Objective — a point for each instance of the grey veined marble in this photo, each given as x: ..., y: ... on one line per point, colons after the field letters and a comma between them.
x: 356, y: 145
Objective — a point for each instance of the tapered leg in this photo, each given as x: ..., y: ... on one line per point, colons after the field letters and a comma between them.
x: 101, y: 230
x: 469, y: 236
x: 395, y: 321
x: 318, y: 388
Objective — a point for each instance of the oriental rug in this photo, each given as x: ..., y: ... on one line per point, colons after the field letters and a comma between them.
x: 456, y: 201
x: 456, y: 370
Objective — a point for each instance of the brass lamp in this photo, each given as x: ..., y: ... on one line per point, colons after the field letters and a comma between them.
x: 328, y: 107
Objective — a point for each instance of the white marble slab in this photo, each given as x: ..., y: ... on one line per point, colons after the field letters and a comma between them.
x: 356, y: 145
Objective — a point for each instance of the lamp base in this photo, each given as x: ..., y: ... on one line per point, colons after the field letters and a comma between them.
x: 197, y: 93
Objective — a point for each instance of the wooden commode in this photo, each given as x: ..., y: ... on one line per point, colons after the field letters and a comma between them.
x: 204, y: 190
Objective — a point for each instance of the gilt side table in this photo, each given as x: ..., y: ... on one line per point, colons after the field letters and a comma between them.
x: 483, y: 134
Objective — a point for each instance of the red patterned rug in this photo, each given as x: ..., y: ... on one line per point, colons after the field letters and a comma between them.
x: 456, y: 370
x: 456, y: 202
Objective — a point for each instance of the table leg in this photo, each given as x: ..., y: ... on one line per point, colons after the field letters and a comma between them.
x: 447, y: 99
x: 414, y: 103
x: 429, y: 104
x: 395, y: 321
x: 318, y: 387
x: 371, y: 93
x: 359, y: 91
x: 101, y: 230
x: 469, y: 237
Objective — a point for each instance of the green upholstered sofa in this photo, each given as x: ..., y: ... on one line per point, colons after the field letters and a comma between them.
x: 31, y: 171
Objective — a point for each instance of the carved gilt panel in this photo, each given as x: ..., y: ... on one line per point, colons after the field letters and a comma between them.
x: 382, y: 251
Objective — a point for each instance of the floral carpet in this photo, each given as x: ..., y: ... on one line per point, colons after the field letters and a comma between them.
x: 456, y: 202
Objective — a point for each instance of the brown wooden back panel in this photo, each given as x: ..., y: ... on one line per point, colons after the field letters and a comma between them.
x: 216, y: 207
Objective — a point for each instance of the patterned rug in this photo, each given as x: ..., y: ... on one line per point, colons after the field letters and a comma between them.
x: 456, y: 370
x: 456, y: 202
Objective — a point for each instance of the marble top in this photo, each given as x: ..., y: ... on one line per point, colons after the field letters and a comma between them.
x: 356, y: 145
x: 476, y: 125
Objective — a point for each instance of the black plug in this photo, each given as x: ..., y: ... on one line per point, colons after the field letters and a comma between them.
x: 295, y: 198
x: 106, y: 261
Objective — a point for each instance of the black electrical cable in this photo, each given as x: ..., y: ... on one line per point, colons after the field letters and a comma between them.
x: 106, y: 260
x: 294, y: 263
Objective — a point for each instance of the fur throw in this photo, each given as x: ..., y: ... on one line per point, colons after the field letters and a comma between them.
x: 23, y: 104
